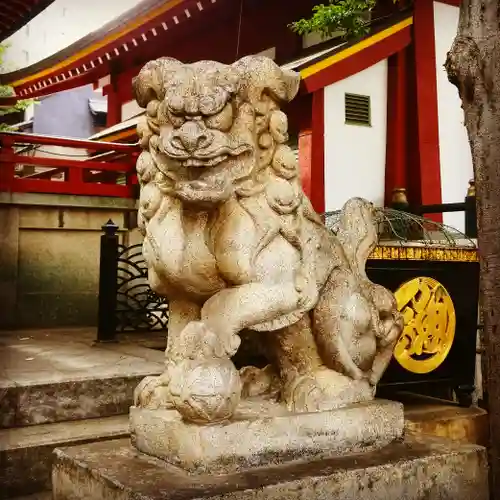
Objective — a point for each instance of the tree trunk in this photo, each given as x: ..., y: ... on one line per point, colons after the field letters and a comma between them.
x: 473, y: 65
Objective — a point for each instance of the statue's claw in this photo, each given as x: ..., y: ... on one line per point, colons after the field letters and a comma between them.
x: 153, y: 393
x: 198, y: 341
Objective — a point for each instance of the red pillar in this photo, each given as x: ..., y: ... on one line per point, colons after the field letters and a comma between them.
x: 317, y: 177
x: 427, y: 104
x: 307, y: 115
x: 305, y: 144
x: 112, y: 91
x: 397, y: 121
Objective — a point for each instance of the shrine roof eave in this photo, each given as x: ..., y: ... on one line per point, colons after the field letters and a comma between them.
x: 317, y: 69
x: 93, y: 56
x: 14, y: 14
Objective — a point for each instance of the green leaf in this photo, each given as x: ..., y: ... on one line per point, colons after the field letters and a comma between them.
x: 7, y: 91
x: 348, y: 16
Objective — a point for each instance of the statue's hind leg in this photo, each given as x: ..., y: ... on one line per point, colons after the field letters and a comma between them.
x: 307, y: 384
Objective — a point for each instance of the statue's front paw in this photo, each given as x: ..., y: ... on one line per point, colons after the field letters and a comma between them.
x: 197, y: 341
x: 153, y: 393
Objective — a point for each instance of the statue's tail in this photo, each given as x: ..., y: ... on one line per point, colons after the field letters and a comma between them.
x: 357, y: 233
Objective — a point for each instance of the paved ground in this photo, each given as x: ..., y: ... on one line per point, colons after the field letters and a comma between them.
x: 51, y: 356
x: 73, y: 389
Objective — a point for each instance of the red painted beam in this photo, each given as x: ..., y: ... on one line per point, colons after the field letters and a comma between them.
x: 20, y: 185
x: 10, y: 138
x: 427, y: 104
x: 64, y: 163
x: 358, y: 61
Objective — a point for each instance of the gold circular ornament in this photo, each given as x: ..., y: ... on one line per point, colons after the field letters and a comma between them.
x: 429, y: 324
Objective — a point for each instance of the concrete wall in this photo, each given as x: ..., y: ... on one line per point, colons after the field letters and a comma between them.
x: 59, y: 25
x: 49, y: 263
x: 66, y: 114
x: 354, y: 154
x: 455, y: 155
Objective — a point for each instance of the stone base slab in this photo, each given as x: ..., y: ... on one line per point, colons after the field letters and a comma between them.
x: 418, y: 468
x: 265, y: 433
x: 26, y: 452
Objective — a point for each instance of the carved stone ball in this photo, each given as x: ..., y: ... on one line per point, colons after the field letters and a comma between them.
x: 205, y: 390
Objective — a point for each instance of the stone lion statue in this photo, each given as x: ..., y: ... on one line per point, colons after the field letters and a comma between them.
x: 234, y: 244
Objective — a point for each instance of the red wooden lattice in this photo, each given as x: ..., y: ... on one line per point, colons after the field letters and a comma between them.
x: 91, y: 168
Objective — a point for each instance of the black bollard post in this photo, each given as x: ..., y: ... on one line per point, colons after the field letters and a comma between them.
x: 470, y: 211
x: 108, y: 274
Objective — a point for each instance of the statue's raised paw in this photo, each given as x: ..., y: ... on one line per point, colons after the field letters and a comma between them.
x: 325, y: 390
x: 197, y: 341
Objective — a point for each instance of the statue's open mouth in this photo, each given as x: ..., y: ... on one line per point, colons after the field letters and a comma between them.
x: 210, y: 162
x: 209, y: 158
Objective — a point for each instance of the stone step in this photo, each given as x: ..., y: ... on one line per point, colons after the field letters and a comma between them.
x: 52, y: 377
x: 417, y: 468
x: 464, y: 425
x: 26, y: 453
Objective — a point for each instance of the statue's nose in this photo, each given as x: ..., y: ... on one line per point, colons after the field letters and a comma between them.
x: 191, y: 136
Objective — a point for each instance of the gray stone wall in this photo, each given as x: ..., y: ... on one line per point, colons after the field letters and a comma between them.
x: 49, y: 258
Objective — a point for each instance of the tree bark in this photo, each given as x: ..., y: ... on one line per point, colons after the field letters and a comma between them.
x: 473, y: 65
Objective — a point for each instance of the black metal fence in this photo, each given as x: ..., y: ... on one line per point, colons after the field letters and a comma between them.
x: 126, y: 301
x: 468, y: 206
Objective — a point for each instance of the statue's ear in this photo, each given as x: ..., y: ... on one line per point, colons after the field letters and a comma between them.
x: 260, y: 74
x: 151, y: 81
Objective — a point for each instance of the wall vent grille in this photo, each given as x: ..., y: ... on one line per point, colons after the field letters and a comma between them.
x: 357, y: 109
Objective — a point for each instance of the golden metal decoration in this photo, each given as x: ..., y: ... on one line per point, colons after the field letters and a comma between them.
x: 399, y: 196
x: 429, y: 319
x: 387, y: 252
x: 471, y: 191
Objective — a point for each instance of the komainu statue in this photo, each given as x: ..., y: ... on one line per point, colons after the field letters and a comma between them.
x: 234, y: 244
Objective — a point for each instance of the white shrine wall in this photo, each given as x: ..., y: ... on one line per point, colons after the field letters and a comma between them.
x: 454, y: 150
x: 355, y: 154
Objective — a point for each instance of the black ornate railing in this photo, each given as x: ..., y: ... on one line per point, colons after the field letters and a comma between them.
x: 126, y: 301
x: 468, y: 207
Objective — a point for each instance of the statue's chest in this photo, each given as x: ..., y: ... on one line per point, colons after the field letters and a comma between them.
x: 185, y: 258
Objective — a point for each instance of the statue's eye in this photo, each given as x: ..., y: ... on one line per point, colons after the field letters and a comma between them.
x: 223, y: 120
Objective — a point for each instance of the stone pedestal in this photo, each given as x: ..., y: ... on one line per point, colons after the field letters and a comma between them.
x: 264, y: 433
x: 415, y: 469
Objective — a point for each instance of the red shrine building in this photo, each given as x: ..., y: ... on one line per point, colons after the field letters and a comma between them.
x: 372, y: 115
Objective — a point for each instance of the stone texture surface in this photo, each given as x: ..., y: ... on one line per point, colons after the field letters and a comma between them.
x: 418, y: 469
x: 49, y: 376
x: 264, y: 434
x: 26, y: 453
x: 234, y: 244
